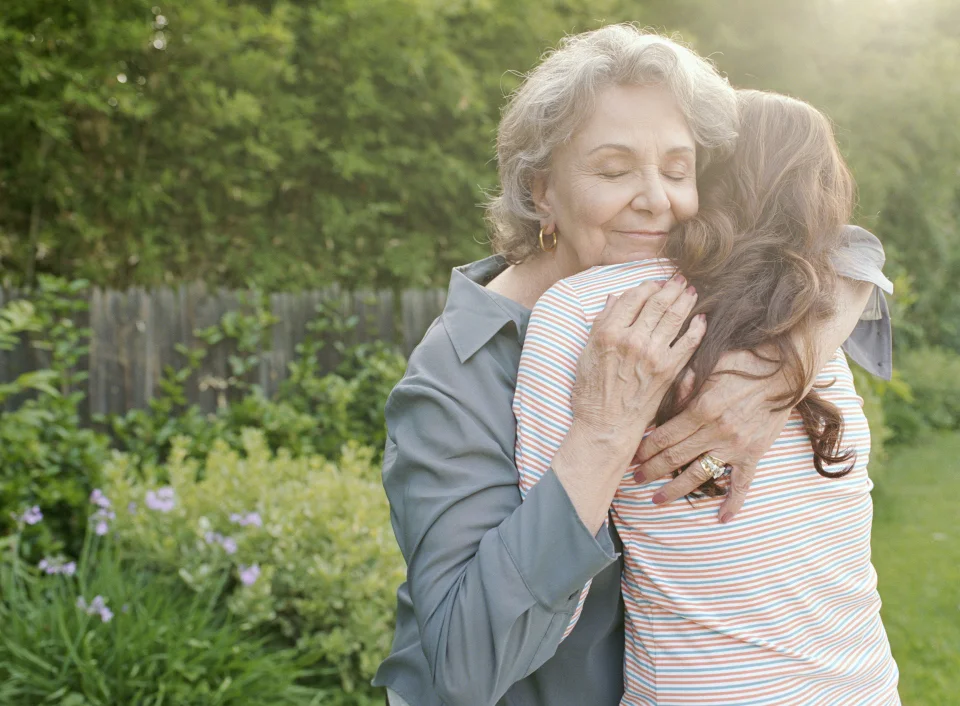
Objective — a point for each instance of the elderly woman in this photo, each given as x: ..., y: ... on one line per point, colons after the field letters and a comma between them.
x: 492, y: 583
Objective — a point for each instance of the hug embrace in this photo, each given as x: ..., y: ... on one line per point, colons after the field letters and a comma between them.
x: 628, y: 464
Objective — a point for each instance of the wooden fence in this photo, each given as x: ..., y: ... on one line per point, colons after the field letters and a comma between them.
x: 134, y: 335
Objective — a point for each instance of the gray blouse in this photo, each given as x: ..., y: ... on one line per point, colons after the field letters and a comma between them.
x: 491, y: 582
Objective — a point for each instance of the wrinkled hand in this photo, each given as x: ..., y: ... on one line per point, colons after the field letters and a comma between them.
x: 733, y: 419
x: 631, y: 359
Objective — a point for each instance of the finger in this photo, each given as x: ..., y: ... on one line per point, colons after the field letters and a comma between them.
x: 740, y: 480
x: 674, y: 431
x: 659, y: 303
x: 674, y: 456
x: 670, y: 324
x: 682, y: 351
x: 607, y: 308
x: 624, y: 311
x: 688, y: 481
x: 685, y: 388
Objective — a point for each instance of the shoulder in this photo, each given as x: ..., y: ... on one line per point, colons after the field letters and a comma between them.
x: 436, y: 370
x: 623, y: 275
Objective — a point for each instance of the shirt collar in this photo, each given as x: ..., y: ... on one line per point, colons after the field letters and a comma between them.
x: 473, y: 314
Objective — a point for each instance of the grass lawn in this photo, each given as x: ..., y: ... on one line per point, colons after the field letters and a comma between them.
x: 916, y: 550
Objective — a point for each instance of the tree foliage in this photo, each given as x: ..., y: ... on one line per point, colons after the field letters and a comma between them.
x: 290, y: 143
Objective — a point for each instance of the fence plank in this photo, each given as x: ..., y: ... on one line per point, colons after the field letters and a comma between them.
x: 134, y: 336
x: 419, y: 308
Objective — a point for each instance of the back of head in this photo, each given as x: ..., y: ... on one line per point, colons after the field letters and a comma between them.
x: 760, y: 249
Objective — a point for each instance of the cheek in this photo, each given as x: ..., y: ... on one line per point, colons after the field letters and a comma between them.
x: 685, y: 202
x: 599, y: 203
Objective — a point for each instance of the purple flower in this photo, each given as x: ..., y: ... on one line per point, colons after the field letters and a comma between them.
x: 131, y: 507
x: 98, y: 606
x: 101, y: 517
x: 229, y: 544
x: 99, y: 499
x: 57, y: 565
x: 32, y: 516
x: 249, y: 574
x: 162, y: 499
x: 251, y: 518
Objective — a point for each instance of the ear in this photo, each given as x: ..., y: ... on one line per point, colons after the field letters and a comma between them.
x: 539, y: 193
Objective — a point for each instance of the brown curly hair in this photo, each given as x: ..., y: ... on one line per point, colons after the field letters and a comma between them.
x: 759, y: 253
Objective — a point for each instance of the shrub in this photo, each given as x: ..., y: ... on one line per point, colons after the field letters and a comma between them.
x: 309, y: 540
x: 118, y: 632
x: 46, y: 457
x: 871, y: 388
x: 313, y: 412
x: 932, y: 401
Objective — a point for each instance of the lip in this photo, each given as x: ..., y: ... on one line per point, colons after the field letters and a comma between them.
x: 643, y: 233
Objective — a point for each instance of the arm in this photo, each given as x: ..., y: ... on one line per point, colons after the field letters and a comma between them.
x: 490, y: 598
x: 556, y: 336
x: 734, y: 419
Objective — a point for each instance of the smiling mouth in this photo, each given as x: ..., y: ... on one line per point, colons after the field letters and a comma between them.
x: 643, y: 233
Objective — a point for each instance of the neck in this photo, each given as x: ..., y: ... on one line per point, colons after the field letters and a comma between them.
x: 525, y: 283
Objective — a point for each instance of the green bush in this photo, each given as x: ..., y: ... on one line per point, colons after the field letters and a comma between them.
x: 313, y: 412
x: 113, y: 631
x: 871, y: 388
x: 311, y: 538
x: 47, y: 458
x: 931, y: 401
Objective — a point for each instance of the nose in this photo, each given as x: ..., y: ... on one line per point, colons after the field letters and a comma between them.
x: 650, y: 195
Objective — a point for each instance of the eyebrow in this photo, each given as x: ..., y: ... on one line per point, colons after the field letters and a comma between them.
x: 679, y: 149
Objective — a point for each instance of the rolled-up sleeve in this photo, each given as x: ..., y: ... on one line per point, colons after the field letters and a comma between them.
x: 861, y: 257
x: 493, y: 582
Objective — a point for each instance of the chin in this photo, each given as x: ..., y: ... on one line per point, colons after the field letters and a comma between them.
x: 615, y: 255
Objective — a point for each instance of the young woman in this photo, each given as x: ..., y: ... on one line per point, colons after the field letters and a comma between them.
x: 780, y: 606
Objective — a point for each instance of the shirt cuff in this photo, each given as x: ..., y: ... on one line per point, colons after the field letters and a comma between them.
x: 553, y: 551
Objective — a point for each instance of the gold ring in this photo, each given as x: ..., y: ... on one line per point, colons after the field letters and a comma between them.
x: 714, y: 466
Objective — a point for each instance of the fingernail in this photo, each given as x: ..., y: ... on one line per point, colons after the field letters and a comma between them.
x: 638, y: 478
x: 680, y: 279
x: 727, y: 516
x: 691, y: 290
x: 702, y: 317
x: 661, y: 283
x: 659, y: 498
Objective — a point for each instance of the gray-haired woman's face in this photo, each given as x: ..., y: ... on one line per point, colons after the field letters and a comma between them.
x: 625, y: 179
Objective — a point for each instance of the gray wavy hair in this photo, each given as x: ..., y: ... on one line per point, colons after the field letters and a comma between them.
x: 559, y: 94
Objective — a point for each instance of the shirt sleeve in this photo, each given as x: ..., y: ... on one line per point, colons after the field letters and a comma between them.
x: 556, y: 336
x: 861, y: 257
x: 493, y: 582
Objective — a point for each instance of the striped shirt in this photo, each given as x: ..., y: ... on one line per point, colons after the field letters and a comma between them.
x: 779, y: 607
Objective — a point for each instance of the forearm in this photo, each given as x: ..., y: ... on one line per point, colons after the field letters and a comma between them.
x: 500, y: 617
x: 852, y: 297
x: 606, y: 457
x: 492, y: 581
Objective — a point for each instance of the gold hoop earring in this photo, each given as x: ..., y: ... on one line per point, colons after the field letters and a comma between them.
x: 553, y: 244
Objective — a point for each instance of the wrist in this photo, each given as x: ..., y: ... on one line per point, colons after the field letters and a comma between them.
x: 599, y: 448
